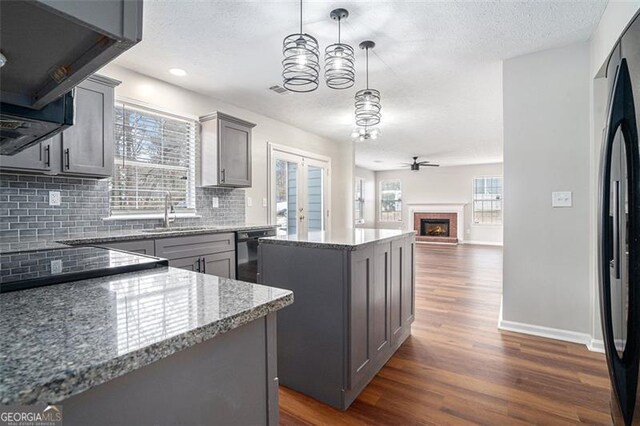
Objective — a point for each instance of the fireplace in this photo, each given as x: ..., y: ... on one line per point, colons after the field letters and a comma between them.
x: 434, y: 227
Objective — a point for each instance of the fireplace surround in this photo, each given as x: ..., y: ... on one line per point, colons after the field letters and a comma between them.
x: 436, y: 227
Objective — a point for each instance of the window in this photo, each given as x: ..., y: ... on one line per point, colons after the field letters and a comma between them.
x: 154, y: 153
x: 359, y: 201
x: 390, y: 201
x: 487, y: 200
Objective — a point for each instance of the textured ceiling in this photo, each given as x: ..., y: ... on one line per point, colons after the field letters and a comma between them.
x: 437, y: 65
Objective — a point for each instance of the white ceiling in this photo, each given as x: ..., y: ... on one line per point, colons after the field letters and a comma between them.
x: 437, y: 65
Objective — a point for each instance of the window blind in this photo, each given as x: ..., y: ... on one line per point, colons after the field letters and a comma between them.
x: 487, y: 200
x: 391, y: 200
x: 154, y: 153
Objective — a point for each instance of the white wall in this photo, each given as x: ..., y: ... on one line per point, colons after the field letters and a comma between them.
x: 369, y: 189
x: 174, y: 99
x: 546, y: 148
x: 444, y: 185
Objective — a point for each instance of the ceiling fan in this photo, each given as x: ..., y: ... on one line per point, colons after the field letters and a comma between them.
x: 415, y: 166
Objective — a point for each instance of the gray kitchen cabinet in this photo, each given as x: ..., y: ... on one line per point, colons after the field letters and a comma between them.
x: 68, y: 41
x: 87, y: 146
x: 212, y: 254
x: 84, y: 149
x: 219, y: 264
x: 196, y: 245
x: 225, y: 158
x: 145, y: 247
x: 43, y: 157
x: 353, y: 309
x: 188, y: 263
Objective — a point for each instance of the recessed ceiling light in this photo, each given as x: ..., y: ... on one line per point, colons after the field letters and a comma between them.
x: 377, y: 161
x: 178, y: 71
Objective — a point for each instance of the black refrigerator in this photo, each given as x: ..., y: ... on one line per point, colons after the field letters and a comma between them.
x: 619, y: 228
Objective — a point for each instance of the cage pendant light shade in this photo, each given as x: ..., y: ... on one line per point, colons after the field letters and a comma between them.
x: 367, y: 101
x: 301, y: 63
x: 339, y: 58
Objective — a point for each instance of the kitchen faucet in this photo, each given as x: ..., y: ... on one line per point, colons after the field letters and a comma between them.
x: 168, y: 208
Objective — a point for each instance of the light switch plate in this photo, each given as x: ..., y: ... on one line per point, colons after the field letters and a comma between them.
x: 56, y: 266
x: 215, y: 203
x: 249, y: 201
x: 264, y: 202
x: 561, y: 199
x: 54, y: 198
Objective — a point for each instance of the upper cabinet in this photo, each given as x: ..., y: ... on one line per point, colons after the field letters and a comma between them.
x: 225, y: 158
x: 86, y: 148
x: 51, y: 46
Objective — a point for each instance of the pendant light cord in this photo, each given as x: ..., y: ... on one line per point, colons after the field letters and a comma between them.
x: 300, y: 17
x: 338, y: 30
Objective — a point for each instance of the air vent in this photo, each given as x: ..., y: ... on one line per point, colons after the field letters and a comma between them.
x: 279, y: 89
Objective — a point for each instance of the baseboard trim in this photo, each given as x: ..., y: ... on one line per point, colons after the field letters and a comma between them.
x: 548, y: 332
x: 596, y: 345
x: 482, y: 243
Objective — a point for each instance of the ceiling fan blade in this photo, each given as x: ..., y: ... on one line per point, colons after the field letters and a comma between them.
x: 429, y: 165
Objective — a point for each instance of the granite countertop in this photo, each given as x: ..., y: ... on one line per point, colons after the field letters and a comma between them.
x: 60, y: 340
x: 130, y: 235
x: 342, y: 239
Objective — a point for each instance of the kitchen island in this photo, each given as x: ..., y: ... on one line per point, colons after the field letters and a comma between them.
x: 164, y: 346
x: 355, y: 302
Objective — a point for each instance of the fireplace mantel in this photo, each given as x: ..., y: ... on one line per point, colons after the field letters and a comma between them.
x: 457, y: 208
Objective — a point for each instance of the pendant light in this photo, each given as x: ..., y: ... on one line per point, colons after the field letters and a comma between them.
x: 339, y: 58
x: 364, y: 134
x: 367, y: 100
x: 301, y: 63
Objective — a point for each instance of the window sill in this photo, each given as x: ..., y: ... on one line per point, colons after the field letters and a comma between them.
x: 150, y: 216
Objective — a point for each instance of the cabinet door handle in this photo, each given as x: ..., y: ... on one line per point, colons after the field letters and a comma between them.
x: 47, y: 155
x: 67, y: 160
x: 198, y: 265
x: 223, y: 175
x: 204, y: 265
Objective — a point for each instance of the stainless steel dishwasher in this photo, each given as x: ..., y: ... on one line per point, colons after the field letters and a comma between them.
x: 247, y: 252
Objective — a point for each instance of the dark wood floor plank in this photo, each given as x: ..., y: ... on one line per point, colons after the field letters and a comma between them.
x: 458, y: 368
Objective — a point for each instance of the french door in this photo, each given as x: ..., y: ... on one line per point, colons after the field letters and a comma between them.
x: 299, y: 191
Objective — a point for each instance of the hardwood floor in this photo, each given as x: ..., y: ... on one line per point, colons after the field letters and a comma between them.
x: 458, y: 368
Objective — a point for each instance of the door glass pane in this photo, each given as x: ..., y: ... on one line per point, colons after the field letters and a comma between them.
x: 315, y: 198
x: 286, y: 196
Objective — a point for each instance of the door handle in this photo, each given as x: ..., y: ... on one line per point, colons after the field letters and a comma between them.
x: 204, y: 265
x: 198, y: 265
x: 616, y: 229
x: 223, y: 178
x: 47, y: 155
x: 67, y: 159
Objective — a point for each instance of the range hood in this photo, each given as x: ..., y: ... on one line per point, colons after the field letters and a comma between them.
x: 21, y: 127
x: 49, y: 47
